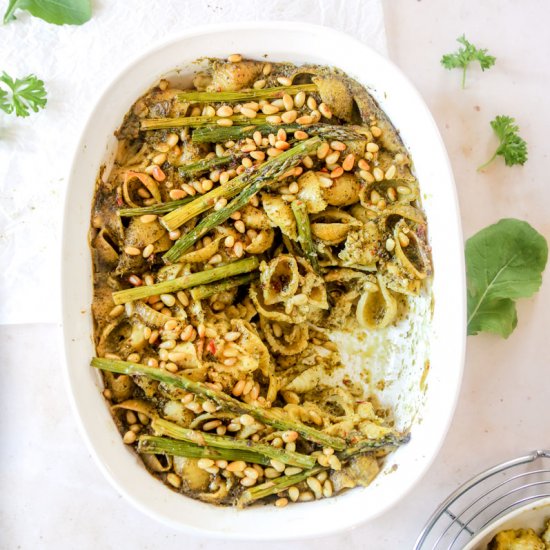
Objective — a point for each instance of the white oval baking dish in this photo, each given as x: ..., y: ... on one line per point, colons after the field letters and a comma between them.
x: 427, y: 402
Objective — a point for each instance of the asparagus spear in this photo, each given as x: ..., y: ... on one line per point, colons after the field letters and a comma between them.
x: 369, y: 445
x: 274, y: 486
x: 247, y: 95
x: 160, y: 445
x: 216, y: 134
x: 196, y: 121
x: 161, y: 208
x: 187, y: 281
x: 270, y: 418
x: 304, y: 233
x: 202, y: 166
x: 233, y: 187
x: 267, y: 173
x: 205, y: 291
x: 163, y: 427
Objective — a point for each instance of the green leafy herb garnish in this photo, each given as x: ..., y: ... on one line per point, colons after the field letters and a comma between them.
x: 512, y: 147
x: 24, y: 94
x: 58, y: 12
x: 504, y: 262
x: 464, y: 56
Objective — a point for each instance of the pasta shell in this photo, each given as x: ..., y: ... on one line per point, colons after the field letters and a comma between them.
x: 202, y: 254
x: 280, y: 214
x: 280, y: 279
x: 376, y: 309
x: 311, y: 192
x: 414, y: 257
x: 261, y: 242
x: 333, y: 225
x: 307, y: 380
x: 292, y: 340
x: 251, y: 344
x: 344, y: 191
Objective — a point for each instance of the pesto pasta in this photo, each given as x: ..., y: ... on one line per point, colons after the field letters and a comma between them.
x: 245, y: 220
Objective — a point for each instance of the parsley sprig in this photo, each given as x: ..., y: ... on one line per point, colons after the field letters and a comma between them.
x: 512, y: 147
x: 465, y: 55
x: 22, y: 94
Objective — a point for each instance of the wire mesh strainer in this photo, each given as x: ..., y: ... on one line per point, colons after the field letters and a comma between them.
x: 485, y: 498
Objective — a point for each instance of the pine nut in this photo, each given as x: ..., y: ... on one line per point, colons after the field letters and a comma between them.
x: 306, y: 119
x: 293, y: 493
x: 289, y: 117
x: 348, y: 163
x: 281, y: 502
x: 132, y: 251
x: 204, y: 463
x: 322, y: 150
x: 337, y: 172
x: 269, y: 109
x: 390, y: 172
x: 277, y: 465
x: 220, y: 203
x: 259, y: 84
x: 168, y: 299
x: 116, y: 311
x: 148, y: 218
x: 403, y: 190
x: 299, y: 134
x: 378, y: 174
x: 307, y: 161
x: 224, y: 122
x: 288, y: 102
x: 271, y: 473
x: 224, y: 111
x: 273, y: 119
x: 333, y: 157
x: 176, y: 194
x: 249, y: 113
x: 325, y: 111
x: 235, y: 58
x: 238, y: 388
x: 375, y: 131
x: 289, y: 436
x: 334, y: 462
x: 251, y: 472
x: 238, y: 249
x: 311, y: 103
x: 129, y: 437
x: 363, y: 164
x: 148, y: 250
x: 239, y: 226
x: 284, y: 81
x: 372, y: 147
x: 267, y: 69
x: 367, y: 176
x: 258, y: 155
x: 247, y: 420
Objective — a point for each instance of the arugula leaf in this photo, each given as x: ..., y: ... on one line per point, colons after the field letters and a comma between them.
x: 58, y: 12
x: 464, y: 56
x: 512, y: 147
x: 27, y: 93
x: 504, y: 262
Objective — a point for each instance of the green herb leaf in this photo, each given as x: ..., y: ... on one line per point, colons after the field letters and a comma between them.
x: 504, y: 262
x: 26, y: 93
x: 5, y: 105
x: 512, y: 147
x: 464, y: 56
x: 58, y: 12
